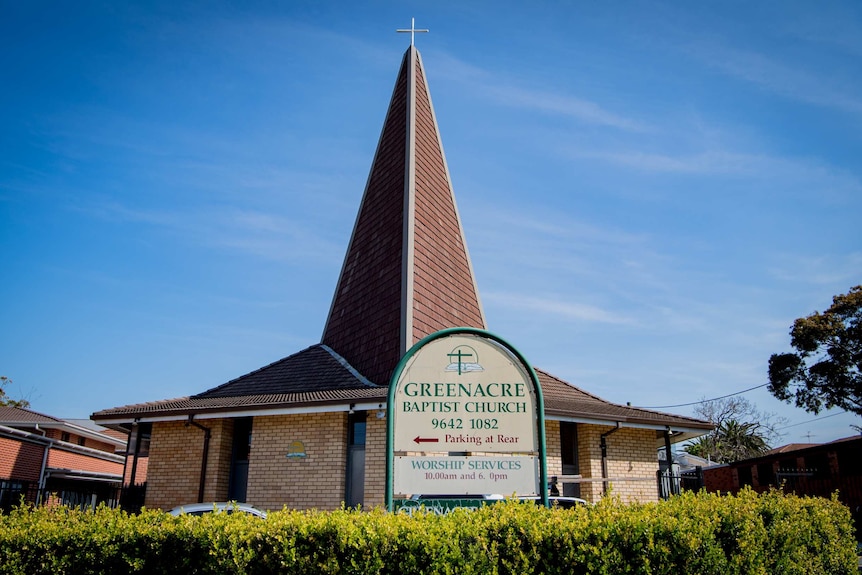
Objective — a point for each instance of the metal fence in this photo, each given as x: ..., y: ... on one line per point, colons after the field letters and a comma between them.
x: 14, y: 493
x: 670, y: 483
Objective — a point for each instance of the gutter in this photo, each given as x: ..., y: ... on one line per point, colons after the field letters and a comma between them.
x: 204, y: 457
x: 48, y: 443
x: 603, y: 443
x: 334, y: 406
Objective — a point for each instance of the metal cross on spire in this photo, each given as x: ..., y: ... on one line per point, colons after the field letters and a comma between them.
x: 412, y: 30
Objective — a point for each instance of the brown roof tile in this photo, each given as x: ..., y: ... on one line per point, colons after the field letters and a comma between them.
x: 314, y: 375
x: 10, y: 414
x: 406, y: 273
x: 564, y: 399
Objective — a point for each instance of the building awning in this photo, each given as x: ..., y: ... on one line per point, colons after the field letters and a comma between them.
x: 82, y: 475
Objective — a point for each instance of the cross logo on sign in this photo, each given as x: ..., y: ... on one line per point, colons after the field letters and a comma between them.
x: 457, y: 357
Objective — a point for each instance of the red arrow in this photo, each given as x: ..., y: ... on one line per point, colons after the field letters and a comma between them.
x: 426, y: 439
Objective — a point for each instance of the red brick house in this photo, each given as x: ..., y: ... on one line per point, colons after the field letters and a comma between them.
x: 309, y: 430
x: 46, y: 457
x: 817, y: 469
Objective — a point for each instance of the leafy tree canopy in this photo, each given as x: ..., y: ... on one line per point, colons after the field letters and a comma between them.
x: 826, y: 369
x: 5, y: 399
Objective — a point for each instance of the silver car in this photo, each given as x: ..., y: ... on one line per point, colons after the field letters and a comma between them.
x: 226, y: 507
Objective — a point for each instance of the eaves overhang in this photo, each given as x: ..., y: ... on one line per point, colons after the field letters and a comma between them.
x: 245, y: 406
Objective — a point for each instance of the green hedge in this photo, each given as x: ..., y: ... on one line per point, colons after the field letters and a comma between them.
x: 747, y: 534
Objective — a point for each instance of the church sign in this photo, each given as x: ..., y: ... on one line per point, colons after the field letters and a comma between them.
x: 464, y: 416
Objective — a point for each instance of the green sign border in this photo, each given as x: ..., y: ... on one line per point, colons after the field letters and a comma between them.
x: 390, y: 425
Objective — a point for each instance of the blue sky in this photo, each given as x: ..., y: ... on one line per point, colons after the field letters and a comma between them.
x: 651, y: 192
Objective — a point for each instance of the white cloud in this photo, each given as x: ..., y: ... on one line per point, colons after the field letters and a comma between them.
x: 265, y: 235
x: 512, y: 93
x: 833, y: 90
x: 829, y: 269
x: 556, y: 305
x: 564, y: 105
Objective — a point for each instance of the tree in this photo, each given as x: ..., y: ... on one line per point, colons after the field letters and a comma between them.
x: 5, y: 399
x: 737, y: 408
x: 741, y: 430
x: 731, y: 441
x: 826, y: 369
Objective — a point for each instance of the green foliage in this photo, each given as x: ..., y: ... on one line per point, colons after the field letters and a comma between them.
x: 730, y: 441
x: 5, y: 400
x: 826, y: 369
x: 702, y: 534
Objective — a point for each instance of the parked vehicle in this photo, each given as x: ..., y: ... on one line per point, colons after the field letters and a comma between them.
x: 558, y: 501
x: 226, y: 507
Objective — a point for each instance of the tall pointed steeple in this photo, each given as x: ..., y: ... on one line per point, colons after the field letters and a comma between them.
x: 407, y: 272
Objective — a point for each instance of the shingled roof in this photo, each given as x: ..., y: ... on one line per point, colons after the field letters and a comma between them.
x: 317, y: 376
x: 406, y: 274
x: 566, y: 401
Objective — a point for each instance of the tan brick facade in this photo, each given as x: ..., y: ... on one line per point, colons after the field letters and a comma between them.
x: 375, y: 461
x: 631, y: 455
x: 174, y: 464
x: 318, y: 480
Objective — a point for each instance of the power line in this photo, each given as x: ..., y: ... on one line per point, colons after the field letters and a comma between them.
x: 703, y: 400
x: 811, y: 420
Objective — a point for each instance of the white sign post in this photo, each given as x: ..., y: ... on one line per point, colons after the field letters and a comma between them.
x: 465, y: 416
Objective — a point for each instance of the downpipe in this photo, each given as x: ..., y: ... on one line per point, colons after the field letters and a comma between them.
x: 603, y: 443
x: 204, y: 457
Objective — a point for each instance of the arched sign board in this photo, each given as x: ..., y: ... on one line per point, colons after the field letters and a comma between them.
x: 465, y: 415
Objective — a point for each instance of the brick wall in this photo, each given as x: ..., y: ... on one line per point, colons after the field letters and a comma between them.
x: 631, y: 453
x: 375, y: 461
x: 140, y: 471
x: 315, y: 481
x: 19, y: 460
x: 58, y: 458
x: 552, y: 444
x: 174, y: 466
x: 219, y: 464
x: 57, y: 435
x: 723, y: 479
x: 318, y: 480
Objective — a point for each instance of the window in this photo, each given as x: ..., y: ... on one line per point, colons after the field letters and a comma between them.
x: 849, y: 462
x: 818, y: 465
x: 569, y: 457
x: 744, y: 474
x: 240, y: 455
x: 65, y: 436
x: 765, y: 475
x: 139, y: 440
x: 356, y: 427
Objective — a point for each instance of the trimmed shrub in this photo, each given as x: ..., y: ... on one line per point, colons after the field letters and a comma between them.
x: 695, y: 533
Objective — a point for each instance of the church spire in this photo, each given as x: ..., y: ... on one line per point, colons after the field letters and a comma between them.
x: 407, y: 272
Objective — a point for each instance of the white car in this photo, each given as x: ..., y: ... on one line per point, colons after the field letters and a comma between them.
x: 227, y: 507
x: 556, y: 501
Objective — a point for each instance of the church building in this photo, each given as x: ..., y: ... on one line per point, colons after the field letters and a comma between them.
x: 309, y: 430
